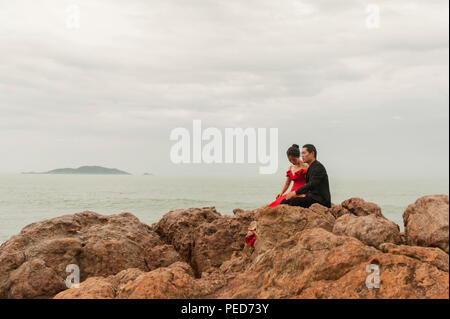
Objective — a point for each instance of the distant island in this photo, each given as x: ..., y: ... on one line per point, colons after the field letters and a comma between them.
x: 85, y: 170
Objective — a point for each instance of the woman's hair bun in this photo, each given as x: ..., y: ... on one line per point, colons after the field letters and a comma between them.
x: 294, y: 151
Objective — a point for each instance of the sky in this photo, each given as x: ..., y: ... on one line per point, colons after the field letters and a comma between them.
x: 104, y: 82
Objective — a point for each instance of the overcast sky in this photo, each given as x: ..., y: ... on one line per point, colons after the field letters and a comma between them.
x: 373, y: 100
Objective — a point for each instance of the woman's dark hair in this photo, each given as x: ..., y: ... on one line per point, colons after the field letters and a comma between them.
x: 293, y: 151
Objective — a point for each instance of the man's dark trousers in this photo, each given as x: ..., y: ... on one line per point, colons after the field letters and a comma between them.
x: 299, y: 201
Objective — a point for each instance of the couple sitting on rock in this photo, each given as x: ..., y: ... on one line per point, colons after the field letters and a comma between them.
x: 310, y: 183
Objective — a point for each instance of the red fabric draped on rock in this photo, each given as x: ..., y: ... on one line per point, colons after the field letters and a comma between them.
x: 250, y: 240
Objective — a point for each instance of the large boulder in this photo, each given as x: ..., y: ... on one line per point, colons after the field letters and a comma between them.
x: 294, y: 264
x: 216, y: 242
x: 433, y: 256
x: 33, y: 263
x: 356, y: 206
x: 101, y: 287
x: 177, y: 227
x: 370, y: 229
x: 176, y: 281
x: 275, y: 224
x: 400, y: 277
x: 203, y: 237
x: 426, y: 222
x: 315, y: 263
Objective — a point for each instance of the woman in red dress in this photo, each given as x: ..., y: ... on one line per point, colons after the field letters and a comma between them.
x: 296, y: 173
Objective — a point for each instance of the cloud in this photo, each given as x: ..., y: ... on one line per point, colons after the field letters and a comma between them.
x: 135, y: 70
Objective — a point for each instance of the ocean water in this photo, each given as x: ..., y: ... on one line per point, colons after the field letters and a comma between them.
x: 25, y: 199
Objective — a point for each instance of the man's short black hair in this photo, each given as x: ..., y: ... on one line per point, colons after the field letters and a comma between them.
x: 311, y: 148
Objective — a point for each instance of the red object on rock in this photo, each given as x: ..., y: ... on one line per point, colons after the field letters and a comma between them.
x: 250, y: 239
x: 299, y: 179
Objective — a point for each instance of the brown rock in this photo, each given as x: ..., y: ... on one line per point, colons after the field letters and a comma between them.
x: 161, y: 255
x: 175, y: 281
x: 426, y: 222
x: 400, y: 277
x: 203, y: 237
x: 101, y: 287
x: 357, y: 207
x: 177, y: 228
x: 33, y: 279
x: 296, y: 263
x: 315, y: 263
x: 275, y: 224
x: 433, y: 256
x: 245, y: 215
x: 91, y: 288
x: 338, y: 211
x: 33, y: 263
x: 369, y: 229
x: 216, y: 242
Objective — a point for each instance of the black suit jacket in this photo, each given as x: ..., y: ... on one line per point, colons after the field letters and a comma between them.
x: 317, y: 186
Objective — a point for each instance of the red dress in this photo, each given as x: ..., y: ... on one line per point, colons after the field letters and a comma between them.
x: 299, y: 179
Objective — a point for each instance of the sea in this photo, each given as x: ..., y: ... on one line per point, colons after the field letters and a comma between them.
x: 28, y: 198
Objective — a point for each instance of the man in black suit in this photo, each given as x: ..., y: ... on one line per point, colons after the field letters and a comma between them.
x: 317, y: 188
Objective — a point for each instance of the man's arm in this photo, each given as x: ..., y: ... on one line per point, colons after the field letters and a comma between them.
x: 317, y: 175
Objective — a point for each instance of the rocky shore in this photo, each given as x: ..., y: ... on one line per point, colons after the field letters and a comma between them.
x: 198, y: 253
